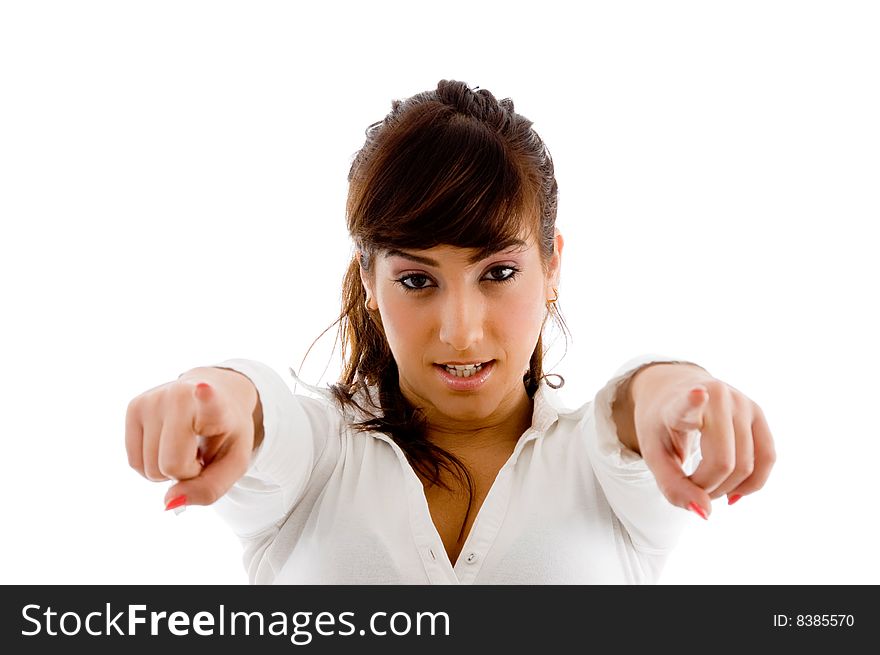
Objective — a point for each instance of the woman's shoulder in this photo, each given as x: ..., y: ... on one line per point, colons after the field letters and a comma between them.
x: 361, y: 405
x: 552, y: 403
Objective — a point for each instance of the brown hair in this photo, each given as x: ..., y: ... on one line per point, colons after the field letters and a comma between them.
x: 452, y: 166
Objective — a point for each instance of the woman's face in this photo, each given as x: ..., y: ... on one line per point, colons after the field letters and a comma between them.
x: 438, y: 308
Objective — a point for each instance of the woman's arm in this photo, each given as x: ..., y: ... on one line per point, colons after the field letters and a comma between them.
x: 652, y: 523
x: 295, y: 431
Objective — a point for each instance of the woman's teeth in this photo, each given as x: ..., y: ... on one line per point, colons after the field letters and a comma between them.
x: 464, y: 371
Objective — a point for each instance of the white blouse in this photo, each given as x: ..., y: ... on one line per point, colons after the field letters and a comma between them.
x: 324, y: 504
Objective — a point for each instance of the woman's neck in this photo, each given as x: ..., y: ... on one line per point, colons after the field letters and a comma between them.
x: 502, y: 430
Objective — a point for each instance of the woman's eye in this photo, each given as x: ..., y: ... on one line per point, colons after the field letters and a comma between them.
x: 502, y: 273
x: 415, y: 281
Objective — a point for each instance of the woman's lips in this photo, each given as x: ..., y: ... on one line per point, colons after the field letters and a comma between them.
x: 471, y: 383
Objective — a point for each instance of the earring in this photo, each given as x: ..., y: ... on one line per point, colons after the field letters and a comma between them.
x: 555, y: 296
x: 367, y: 304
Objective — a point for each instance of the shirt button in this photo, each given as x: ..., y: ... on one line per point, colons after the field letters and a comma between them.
x: 471, y: 558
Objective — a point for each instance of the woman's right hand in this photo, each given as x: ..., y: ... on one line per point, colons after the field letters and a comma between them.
x: 199, y: 430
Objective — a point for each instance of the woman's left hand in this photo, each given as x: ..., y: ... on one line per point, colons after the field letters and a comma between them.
x: 670, y: 402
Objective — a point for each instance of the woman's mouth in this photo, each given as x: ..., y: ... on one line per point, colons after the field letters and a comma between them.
x: 465, y: 377
x: 463, y: 371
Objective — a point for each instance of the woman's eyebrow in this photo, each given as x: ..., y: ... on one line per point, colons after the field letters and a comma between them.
x: 476, y: 257
x: 427, y: 261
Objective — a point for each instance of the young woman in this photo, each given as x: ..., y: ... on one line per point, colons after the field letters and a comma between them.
x: 443, y: 454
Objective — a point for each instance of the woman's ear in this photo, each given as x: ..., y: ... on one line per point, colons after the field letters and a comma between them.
x: 364, y: 278
x: 554, y: 271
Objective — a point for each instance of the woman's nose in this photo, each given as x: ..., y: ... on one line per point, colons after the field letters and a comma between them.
x: 461, y: 321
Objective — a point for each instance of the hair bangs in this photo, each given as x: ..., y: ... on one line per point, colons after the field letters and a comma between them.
x: 447, y: 180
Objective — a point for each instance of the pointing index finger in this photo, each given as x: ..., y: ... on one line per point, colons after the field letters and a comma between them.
x: 687, y: 414
x: 717, y: 443
x: 179, y: 444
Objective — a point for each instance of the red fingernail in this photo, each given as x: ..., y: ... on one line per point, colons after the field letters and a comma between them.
x: 732, y: 499
x: 174, y: 503
x: 698, y: 393
x: 699, y: 510
x: 203, y: 385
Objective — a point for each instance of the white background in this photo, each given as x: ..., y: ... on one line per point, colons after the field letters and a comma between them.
x: 172, y: 187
